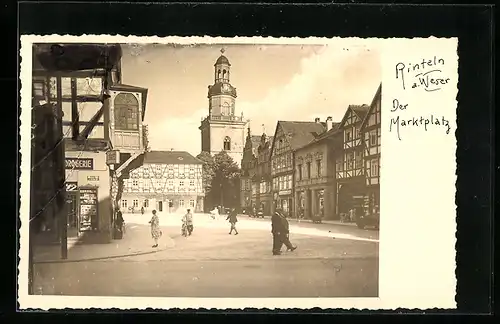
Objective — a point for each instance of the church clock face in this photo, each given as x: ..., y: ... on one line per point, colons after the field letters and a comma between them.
x: 225, y: 87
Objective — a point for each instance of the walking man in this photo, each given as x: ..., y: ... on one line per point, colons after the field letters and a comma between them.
x: 232, y: 220
x: 281, y: 232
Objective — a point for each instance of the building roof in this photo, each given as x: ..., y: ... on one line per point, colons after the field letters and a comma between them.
x: 360, y: 110
x: 170, y: 157
x: 222, y: 60
x: 300, y: 133
x: 334, y: 130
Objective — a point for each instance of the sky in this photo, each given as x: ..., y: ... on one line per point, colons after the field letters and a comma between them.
x: 274, y: 82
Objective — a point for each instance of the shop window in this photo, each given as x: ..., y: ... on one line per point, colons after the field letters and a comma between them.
x: 146, y: 203
x: 181, y: 203
x: 126, y: 112
x: 124, y: 203
x: 191, y: 203
x: 136, y: 203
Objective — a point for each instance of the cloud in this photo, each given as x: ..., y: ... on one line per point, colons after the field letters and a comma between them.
x: 328, y: 81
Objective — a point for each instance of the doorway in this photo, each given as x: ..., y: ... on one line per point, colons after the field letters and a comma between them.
x: 160, y: 206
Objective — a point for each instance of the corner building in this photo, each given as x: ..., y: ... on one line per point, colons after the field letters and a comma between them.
x: 168, y: 182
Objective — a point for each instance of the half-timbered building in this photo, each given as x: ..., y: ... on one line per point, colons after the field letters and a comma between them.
x: 288, y: 137
x: 248, y: 164
x: 168, y: 182
x: 262, y: 180
x: 350, y: 171
x: 101, y: 126
x: 371, y: 132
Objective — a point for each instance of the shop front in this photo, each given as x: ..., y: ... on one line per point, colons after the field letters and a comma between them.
x: 285, y: 202
x: 88, y: 200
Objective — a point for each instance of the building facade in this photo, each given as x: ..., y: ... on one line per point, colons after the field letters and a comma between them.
x: 102, y: 118
x: 315, y: 181
x: 223, y: 129
x: 168, y: 182
x: 288, y: 137
x: 371, y: 132
x: 262, y: 180
x: 350, y: 170
x: 248, y: 163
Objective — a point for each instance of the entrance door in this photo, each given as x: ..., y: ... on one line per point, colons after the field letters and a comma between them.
x: 72, y: 209
x: 160, y: 206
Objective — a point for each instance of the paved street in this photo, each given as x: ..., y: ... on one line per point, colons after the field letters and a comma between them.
x: 331, y: 261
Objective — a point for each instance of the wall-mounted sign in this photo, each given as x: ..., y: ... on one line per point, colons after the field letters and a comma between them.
x: 285, y: 192
x: 88, y: 209
x: 80, y: 164
x: 92, y: 178
x: 112, y: 157
x: 71, y: 186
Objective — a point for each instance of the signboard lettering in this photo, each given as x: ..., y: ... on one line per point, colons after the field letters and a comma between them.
x: 82, y: 164
x: 92, y: 178
x: 71, y: 186
x: 112, y: 157
x: 88, y: 210
x: 285, y: 192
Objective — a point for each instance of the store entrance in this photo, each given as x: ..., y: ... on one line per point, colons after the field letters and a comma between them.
x: 160, y: 206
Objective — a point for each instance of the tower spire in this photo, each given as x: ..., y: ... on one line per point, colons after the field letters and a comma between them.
x: 222, y: 50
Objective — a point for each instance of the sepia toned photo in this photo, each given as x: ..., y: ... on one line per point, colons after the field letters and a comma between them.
x: 207, y: 170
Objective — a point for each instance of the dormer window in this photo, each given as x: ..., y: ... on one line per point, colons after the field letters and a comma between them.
x: 126, y: 112
x: 227, y: 144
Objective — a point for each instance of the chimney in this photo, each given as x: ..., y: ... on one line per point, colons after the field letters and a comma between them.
x: 329, y: 123
x: 317, y: 120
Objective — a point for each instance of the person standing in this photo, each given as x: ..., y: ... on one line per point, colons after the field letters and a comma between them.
x: 233, y: 220
x: 187, y: 221
x: 155, y: 228
x: 142, y: 210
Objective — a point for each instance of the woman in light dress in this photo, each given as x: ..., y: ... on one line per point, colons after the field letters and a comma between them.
x: 155, y: 228
x: 214, y: 214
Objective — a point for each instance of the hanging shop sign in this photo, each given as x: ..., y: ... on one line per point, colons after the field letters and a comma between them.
x: 112, y: 157
x: 88, y: 209
x: 79, y: 163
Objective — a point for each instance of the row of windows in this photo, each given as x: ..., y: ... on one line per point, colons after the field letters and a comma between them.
x: 145, y: 203
x: 164, y: 190
x: 282, y: 182
x: 304, y: 171
x: 282, y: 162
x: 170, y: 183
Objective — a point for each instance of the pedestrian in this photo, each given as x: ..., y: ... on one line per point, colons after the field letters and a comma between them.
x: 232, y: 220
x: 155, y: 228
x: 214, y: 213
x: 120, y: 222
x: 187, y: 223
x: 142, y: 210
x: 281, y: 232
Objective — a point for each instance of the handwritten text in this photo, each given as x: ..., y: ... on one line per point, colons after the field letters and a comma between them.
x: 426, y: 74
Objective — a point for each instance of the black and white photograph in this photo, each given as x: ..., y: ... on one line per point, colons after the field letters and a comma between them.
x: 214, y: 169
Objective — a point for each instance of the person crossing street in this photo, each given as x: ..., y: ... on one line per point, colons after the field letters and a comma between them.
x: 233, y: 220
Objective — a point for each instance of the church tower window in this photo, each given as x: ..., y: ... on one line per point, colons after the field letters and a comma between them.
x: 126, y: 112
x: 226, y: 109
x: 227, y: 143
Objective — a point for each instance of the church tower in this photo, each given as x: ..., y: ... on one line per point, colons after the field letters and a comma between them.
x: 223, y: 129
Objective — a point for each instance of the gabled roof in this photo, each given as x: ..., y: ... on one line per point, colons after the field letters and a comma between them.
x: 326, y: 135
x: 360, y: 110
x: 375, y: 98
x: 300, y: 133
x: 131, y: 88
x: 170, y: 157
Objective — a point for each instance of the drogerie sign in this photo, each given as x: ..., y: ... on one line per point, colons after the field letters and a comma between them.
x: 82, y: 164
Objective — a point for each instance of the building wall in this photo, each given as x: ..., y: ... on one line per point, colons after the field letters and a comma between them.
x: 155, y: 182
x: 235, y: 132
x: 97, y: 177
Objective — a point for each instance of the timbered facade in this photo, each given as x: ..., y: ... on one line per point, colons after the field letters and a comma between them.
x: 371, y: 130
x: 248, y: 164
x: 84, y: 82
x: 262, y: 197
x: 350, y: 171
x: 168, y: 181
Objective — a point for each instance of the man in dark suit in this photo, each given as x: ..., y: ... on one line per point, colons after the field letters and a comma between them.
x: 233, y: 220
x: 280, y: 230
